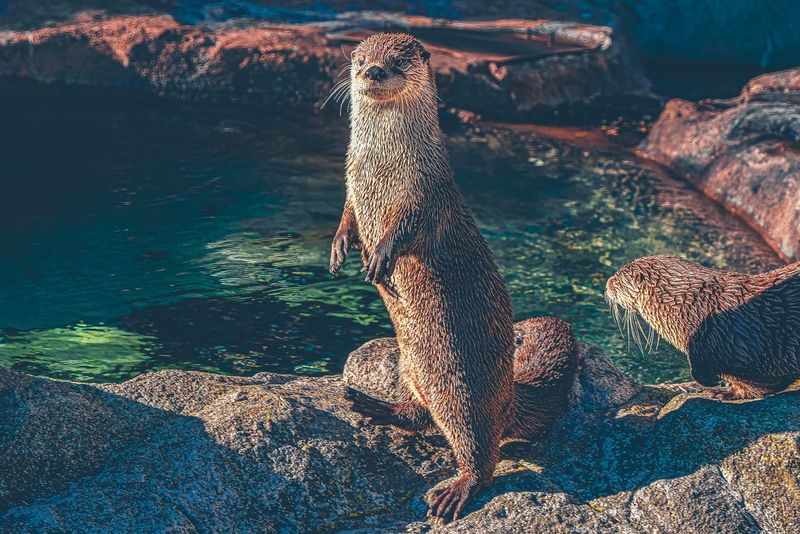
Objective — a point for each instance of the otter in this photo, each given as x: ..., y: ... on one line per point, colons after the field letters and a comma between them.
x: 545, y: 363
x: 421, y: 247
x: 736, y: 328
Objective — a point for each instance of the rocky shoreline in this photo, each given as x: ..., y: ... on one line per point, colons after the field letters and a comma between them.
x: 197, y: 452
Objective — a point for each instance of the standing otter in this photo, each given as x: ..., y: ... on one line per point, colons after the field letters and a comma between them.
x: 738, y: 328
x: 421, y: 247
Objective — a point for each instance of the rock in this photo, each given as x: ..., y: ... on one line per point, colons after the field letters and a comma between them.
x: 267, y: 66
x: 372, y: 368
x: 509, y: 69
x: 599, y: 386
x: 725, y: 31
x: 742, y: 153
x: 190, y: 451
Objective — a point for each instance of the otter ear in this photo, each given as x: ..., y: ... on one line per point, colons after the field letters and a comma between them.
x: 424, y: 54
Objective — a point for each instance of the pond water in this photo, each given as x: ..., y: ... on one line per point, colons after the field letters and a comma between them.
x: 143, y: 236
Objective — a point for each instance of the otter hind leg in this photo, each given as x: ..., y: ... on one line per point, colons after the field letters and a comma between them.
x: 408, y: 416
x: 474, y: 432
x: 742, y: 389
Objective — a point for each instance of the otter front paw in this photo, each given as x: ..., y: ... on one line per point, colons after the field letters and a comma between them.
x: 380, y: 264
x: 339, y: 248
x: 727, y: 394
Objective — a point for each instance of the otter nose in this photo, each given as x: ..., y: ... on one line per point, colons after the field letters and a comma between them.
x: 376, y: 73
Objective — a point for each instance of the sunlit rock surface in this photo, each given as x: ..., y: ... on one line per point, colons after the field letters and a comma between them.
x: 189, y: 451
x: 742, y: 153
x: 505, y: 68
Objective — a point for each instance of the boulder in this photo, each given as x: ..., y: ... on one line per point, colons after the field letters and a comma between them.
x: 191, y: 451
x: 742, y: 153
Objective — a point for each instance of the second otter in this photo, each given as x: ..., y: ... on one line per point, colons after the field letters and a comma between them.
x: 738, y: 328
x: 421, y: 247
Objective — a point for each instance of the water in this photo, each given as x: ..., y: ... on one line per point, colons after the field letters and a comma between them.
x: 136, y: 237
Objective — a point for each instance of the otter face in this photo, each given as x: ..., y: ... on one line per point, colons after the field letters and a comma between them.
x: 386, y: 65
x: 655, y: 288
x: 626, y: 287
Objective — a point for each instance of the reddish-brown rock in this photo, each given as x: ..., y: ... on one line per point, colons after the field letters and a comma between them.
x: 258, y: 65
x: 742, y: 153
x: 510, y: 69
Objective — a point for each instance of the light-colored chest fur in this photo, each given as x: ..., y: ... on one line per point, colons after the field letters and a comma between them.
x: 383, y: 162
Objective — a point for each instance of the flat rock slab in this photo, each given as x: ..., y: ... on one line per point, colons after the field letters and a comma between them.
x: 510, y: 69
x: 197, y: 452
x: 743, y: 153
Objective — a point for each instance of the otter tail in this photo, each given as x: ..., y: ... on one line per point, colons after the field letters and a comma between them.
x: 545, y: 363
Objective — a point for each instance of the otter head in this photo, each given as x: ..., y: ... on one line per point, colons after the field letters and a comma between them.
x: 388, y: 67
x: 653, y: 288
x: 629, y: 286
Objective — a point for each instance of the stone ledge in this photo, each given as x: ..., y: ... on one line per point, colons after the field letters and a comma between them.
x: 193, y: 451
x: 511, y: 69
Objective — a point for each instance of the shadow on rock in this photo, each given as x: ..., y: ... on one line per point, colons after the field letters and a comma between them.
x: 196, y: 451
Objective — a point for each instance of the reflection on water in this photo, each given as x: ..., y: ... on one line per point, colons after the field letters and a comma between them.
x: 149, y: 237
x: 80, y: 352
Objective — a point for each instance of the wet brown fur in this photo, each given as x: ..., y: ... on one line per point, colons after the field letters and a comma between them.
x: 421, y: 247
x: 734, y: 327
x: 545, y: 362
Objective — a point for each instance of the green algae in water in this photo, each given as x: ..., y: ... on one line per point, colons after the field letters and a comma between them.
x: 203, y: 243
x: 80, y: 352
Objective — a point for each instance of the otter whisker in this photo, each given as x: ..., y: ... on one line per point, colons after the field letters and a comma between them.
x: 638, y: 331
x: 344, y: 68
x: 331, y: 95
x: 617, y: 316
x: 345, y: 98
x: 628, y: 335
x: 340, y: 83
x: 341, y: 93
x: 651, y: 334
x: 350, y: 57
x: 337, y: 90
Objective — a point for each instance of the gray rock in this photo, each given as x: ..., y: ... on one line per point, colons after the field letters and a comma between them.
x: 187, y: 451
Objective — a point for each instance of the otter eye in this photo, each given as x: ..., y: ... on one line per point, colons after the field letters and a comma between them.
x: 397, y: 64
x: 360, y: 61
